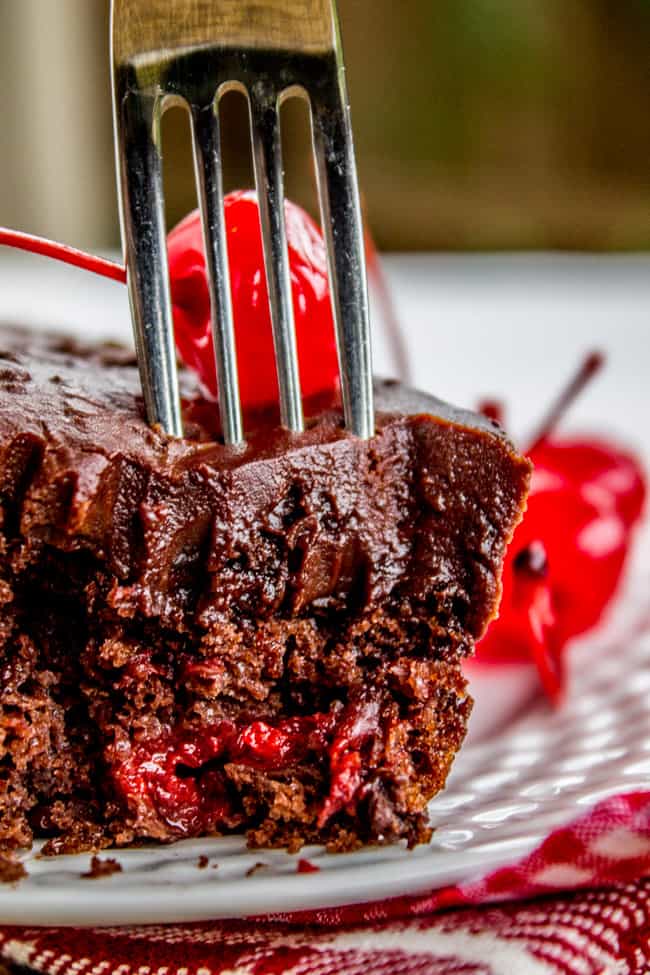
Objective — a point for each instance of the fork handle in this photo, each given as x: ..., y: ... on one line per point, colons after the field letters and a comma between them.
x: 300, y: 25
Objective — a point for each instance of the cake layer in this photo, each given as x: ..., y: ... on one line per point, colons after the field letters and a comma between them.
x: 198, y: 638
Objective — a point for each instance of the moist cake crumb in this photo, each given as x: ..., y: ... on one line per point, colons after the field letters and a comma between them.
x: 256, y: 869
x: 102, y: 867
x: 11, y: 870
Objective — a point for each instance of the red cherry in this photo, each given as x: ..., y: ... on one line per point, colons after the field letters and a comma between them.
x: 604, y: 474
x: 254, y: 339
x: 586, y: 498
x: 566, y: 559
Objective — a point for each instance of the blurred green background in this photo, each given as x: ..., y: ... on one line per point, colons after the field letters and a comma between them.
x: 479, y: 124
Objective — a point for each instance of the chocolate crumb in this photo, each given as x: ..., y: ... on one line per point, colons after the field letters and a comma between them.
x: 256, y: 869
x: 203, y: 862
x: 11, y: 870
x: 102, y: 868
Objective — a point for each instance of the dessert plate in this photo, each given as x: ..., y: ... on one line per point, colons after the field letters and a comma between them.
x: 511, y: 785
x: 504, y: 796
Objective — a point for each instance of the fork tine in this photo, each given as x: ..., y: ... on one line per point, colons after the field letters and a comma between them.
x: 143, y: 219
x: 207, y: 160
x: 343, y: 228
x: 267, y: 161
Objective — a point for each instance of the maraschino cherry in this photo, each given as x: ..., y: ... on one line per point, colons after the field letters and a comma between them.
x: 315, y: 335
x: 567, y: 557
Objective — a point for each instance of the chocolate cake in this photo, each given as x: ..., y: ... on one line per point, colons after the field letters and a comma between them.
x: 197, y: 639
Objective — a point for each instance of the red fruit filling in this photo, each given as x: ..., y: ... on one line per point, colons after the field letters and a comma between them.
x: 357, y: 726
x: 179, y: 777
x: 315, y: 335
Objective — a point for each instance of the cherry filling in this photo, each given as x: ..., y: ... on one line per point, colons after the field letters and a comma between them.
x: 357, y: 726
x: 179, y: 777
x: 170, y: 778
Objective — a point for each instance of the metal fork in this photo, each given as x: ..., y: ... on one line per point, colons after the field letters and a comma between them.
x: 192, y: 52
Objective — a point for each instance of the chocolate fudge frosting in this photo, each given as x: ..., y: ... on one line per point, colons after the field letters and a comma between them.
x: 158, y: 510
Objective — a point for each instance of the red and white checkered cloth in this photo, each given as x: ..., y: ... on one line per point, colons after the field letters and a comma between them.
x: 590, y: 916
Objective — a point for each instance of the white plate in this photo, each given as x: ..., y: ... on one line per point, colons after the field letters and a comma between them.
x: 506, y: 791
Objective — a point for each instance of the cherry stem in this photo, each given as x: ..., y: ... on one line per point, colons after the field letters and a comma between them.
x: 592, y: 364
x: 61, y: 252
x: 394, y: 330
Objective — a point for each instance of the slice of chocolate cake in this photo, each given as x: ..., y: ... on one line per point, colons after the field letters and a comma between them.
x: 197, y: 639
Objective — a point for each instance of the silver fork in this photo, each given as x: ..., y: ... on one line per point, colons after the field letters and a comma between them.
x: 192, y: 52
